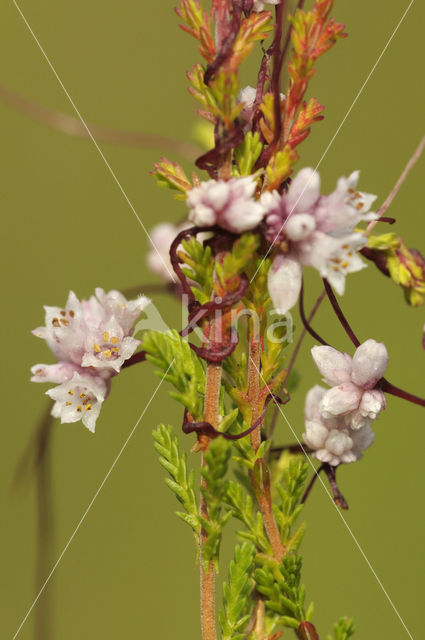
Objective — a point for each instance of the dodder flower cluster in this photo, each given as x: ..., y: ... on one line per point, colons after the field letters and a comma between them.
x: 91, y: 340
x: 306, y: 228
x: 338, y: 420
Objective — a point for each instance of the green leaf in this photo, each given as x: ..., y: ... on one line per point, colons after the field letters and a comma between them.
x: 242, y: 509
x: 181, y: 366
x: 171, y: 176
x: 344, y: 629
x: 214, y: 489
x: 237, y: 591
x: 181, y: 483
x: 200, y: 267
x: 248, y: 153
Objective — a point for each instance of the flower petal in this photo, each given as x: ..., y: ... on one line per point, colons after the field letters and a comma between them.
x: 303, y: 191
x: 284, y: 282
x: 334, y: 366
x: 315, y: 434
x: 312, y: 402
x: 369, y: 363
x: 340, y: 400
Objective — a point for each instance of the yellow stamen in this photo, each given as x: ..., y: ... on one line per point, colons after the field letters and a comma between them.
x: 88, y: 407
x: 68, y: 404
x: 64, y: 322
x: 115, y: 349
x: 79, y: 408
x: 345, y: 264
x: 345, y: 246
x: 115, y: 340
x: 105, y: 336
x: 335, y: 268
x: 96, y: 347
x: 82, y: 395
x: 71, y: 392
x: 107, y: 353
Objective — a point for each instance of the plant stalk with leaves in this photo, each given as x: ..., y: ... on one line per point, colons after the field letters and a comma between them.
x: 238, y: 260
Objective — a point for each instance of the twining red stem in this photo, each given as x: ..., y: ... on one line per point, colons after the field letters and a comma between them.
x: 305, y: 321
x: 341, y: 317
x: 386, y: 386
x: 383, y: 384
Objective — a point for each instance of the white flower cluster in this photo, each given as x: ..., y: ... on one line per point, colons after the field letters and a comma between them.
x: 91, y: 340
x: 319, y: 231
x: 338, y: 420
x: 230, y: 204
x: 308, y: 229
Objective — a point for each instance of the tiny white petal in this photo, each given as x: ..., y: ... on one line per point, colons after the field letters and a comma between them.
x: 340, y: 400
x: 372, y: 403
x: 315, y: 434
x: 334, y: 366
x: 284, y: 282
x: 312, y: 402
x: 303, y: 191
x: 338, y: 442
x: 56, y: 373
x: 369, y: 363
x: 299, y: 226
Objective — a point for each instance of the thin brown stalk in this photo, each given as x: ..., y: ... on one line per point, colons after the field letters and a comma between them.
x: 73, y: 127
x: 254, y: 391
x: 409, y: 166
x: 207, y: 575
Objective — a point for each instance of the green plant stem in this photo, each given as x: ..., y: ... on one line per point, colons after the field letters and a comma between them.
x: 264, y: 500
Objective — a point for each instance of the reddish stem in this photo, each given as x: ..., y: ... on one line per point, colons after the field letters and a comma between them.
x: 341, y: 317
x: 305, y: 322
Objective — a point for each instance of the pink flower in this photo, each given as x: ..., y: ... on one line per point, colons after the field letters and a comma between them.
x: 284, y: 282
x: 319, y: 230
x: 91, y: 340
x: 352, y: 381
x: 231, y: 204
x: 331, y: 439
x: 80, y: 398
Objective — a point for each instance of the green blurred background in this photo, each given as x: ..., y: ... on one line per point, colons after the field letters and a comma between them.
x: 130, y: 571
